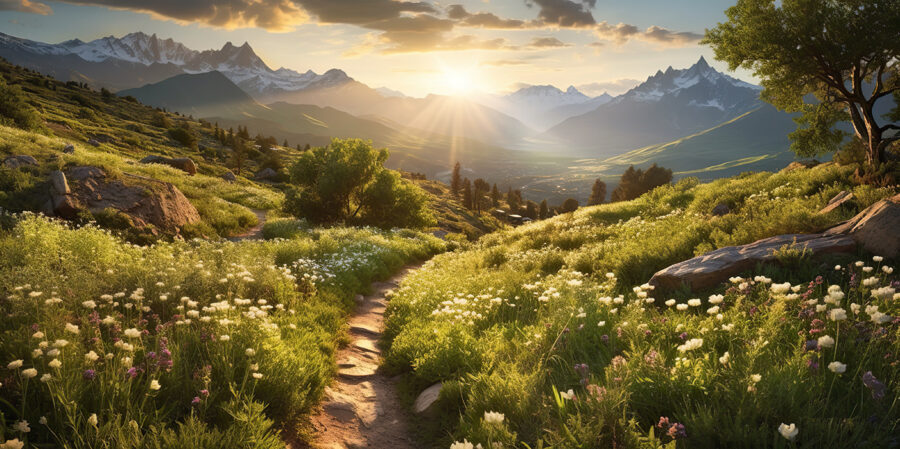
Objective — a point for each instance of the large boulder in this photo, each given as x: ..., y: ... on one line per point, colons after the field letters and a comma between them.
x: 229, y: 176
x: 59, y: 183
x: 146, y: 201
x: 715, y: 266
x: 94, y: 142
x: 184, y: 164
x: 877, y: 228
x: 264, y: 174
x: 17, y: 161
x: 842, y: 198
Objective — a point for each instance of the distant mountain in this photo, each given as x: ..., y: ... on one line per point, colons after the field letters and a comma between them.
x: 201, y: 95
x: 668, y: 106
x: 541, y: 107
x: 137, y: 59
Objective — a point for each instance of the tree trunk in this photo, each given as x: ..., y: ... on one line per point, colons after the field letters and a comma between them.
x: 870, y: 134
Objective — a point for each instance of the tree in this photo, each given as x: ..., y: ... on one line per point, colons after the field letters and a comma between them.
x: 238, y: 156
x: 495, y: 196
x: 481, y: 188
x: 455, y: 180
x: 467, y: 193
x: 598, y: 193
x: 531, y: 209
x: 346, y: 182
x: 845, y: 53
x: 635, y: 183
x: 569, y: 205
x: 161, y: 120
x: 184, y: 135
x: 544, y: 211
x: 514, y: 199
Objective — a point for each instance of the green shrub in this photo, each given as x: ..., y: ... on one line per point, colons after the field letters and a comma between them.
x: 14, y: 110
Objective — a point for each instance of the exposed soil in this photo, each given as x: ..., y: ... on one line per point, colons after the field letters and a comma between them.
x: 361, y: 409
x: 254, y: 233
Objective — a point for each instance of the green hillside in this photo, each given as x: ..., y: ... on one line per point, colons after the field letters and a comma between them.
x: 199, y: 95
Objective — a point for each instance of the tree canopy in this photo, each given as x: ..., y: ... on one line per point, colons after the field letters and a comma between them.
x: 844, y: 53
x: 636, y: 182
x: 346, y: 182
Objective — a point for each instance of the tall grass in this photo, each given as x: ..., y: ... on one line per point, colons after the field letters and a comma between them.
x: 181, y: 344
x: 552, y: 325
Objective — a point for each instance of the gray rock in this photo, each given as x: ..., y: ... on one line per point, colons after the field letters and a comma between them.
x: 86, y: 172
x: 808, y: 163
x: 721, y: 209
x: 59, y: 183
x: 229, y: 176
x: 266, y: 173
x: 184, y: 164
x: 94, y: 142
x: 842, y: 198
x: 18, y: 161
x: 427, y: 398
x: 716, y: 266
x: 877, y: 228
x: 65, y: 206
x: 69, y: 149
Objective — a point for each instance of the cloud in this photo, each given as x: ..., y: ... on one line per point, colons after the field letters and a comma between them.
x: 25, y: 6
x: 547, y: 42
x: 505, y: 62
x: 482, y: 19
x: 565, y: 13
x: 623, y: 32
x: 613, y: 87
x: 410, y: 42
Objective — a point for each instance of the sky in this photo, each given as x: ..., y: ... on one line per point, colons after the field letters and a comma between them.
x: 416, y: 47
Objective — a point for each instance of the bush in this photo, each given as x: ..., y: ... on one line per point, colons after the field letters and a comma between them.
x: 347, y: 182
x: 161, y: 120
x: 184, y: 135
x: 14, y: 110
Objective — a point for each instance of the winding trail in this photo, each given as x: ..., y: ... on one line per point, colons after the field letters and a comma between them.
x: 254, y: 233
x: 362, y: 409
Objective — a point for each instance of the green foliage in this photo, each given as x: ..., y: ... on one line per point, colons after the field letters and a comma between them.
x: 826, y: 49
x: 184, y: 135
x: 635, y: 183
x: 14, y: 110
x: 509, y: 319
x: 239, y: 337
x: 161, y: 120
x: 347, y: 182
x: 598, y: 193
x: 569, y: 205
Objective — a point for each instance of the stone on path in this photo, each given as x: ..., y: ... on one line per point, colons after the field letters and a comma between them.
x: 366, y: 345
x: 365, y: 329
x: 427, y: 398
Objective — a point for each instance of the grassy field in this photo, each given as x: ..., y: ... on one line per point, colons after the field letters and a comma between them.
x: 552, y: 326
x: 182, y: 344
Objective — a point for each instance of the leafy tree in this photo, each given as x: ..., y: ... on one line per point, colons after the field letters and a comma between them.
x: 239, y: 155
x: 14, y: 110
x: 569, y: 205
x: 635, y: 183
x: 514, y: 199
x: 481, y: 188
x: 845, y: 53
x: 544, y: 211
x: 598, y: 193
x: 346, y: 182
x: 455, y: 180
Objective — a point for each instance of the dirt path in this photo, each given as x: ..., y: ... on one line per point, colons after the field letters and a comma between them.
x: 254, y: 233
x: 361, y: 409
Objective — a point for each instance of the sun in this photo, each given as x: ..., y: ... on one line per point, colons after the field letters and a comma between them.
x: 459, y: 81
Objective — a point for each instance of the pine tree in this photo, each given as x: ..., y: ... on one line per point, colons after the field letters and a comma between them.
x: 544, y: 211
x: 598, y: 193
x: 467, y: 193
x: 495, y: 196
x: 455, y: 180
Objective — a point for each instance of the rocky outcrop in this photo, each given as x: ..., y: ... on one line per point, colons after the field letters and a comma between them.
x: 265, y: 174
x: 184, y: 164
x: 147, y: 202
x: 715, y: 266
x: 839, y: 200
x: 721, y: 209
x: 18, y: 161
x: 800, y: 164
x: 877, y: 228
x: 229, y: 176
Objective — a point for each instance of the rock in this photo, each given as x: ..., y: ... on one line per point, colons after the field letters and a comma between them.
x: 64, y: 206
x: 59, y: 183
x: 69, y: 149
x: 184, y: 164
x: 266, y: 173
x: 425, y: 402
x: 17, y: 161
x: 364, y: 329
x: 94, y: 142
x: 357, y: 369
x: 146, y: 201
x: 440, y: 233
x: 721, y: 209
x: 229, y: 176
x: 364, y: 344
x: 839, y: 200
x: 809, y: 163
x: 716, y: 266
x: 877, y: 228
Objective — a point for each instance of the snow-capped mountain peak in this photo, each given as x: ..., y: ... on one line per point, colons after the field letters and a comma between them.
x: 699, y: 80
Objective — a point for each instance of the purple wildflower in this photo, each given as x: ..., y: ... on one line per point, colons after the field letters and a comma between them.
x: 89, y: 374
x: 878, y: 388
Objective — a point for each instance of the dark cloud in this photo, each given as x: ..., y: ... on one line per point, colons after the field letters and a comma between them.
x: 25, y: 6
x: 565, y: 13
x: 482, y: 19
x: 547, y: 42
x: 623, y: 32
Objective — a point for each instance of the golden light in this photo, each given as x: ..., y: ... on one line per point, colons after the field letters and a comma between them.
x: 459, y: 80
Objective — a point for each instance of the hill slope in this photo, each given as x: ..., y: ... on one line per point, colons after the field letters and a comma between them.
x: 201, y: 95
